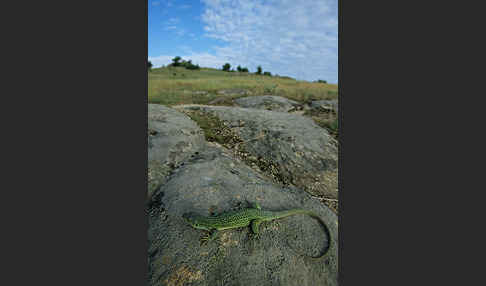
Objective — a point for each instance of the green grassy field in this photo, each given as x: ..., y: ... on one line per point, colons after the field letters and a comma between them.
x: 177, y: 85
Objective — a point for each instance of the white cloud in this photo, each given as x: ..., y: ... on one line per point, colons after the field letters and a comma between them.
x: 180, y: 32
x: 170, y: 25
x: 289, y: 37
x: 174, y: 20
x: 168, y: 28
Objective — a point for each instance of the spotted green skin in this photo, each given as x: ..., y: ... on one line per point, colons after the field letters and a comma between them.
x: 246, y: 217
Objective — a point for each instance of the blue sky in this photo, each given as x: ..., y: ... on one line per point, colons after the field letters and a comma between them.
x: 297, y: 38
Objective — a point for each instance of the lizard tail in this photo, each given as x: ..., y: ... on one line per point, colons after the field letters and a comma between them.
x: 328, y: 234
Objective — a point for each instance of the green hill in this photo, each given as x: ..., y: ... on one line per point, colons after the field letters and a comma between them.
x: 177, y: 85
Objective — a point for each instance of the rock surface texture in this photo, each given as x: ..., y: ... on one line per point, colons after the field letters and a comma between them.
x: 290, y: 148
x: 268, y: 102
x: 325, y: 105
x: 287, y: 157
x: 172, y: 138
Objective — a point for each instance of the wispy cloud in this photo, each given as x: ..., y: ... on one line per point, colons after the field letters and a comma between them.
x: 180, y: 32
x: 292, y: 37
x: 173, y: 20
x: 185, y: 6
x: 155, y: 3
x: 171, y: 25
x: 168, y: 28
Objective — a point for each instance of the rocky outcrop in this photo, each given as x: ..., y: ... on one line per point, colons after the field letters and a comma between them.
x: 172, y: 138
x: 268, y: 102
x: 325, y: 105
x: 280, y: 160
x: 234, y: 91
x: 290, y: 148
x: 213, y: 181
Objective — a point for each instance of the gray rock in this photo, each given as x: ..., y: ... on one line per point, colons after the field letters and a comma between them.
x: 268, y: 102
x: 222, y: 100
x: 234, y: 91
x: 325, y: 105
x: 289, y: 147
x: 173, y: 137
x: 213, y: 179
x: 197, y: 92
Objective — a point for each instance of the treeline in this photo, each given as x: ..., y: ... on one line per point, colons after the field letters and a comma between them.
x: 227, y: 68
x: 179, y: 62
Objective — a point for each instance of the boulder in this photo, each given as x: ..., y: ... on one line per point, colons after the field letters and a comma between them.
x: 213, y: 181
x: 325, y: 105
x: 288, y: 147
x: 172, y: 138
x: 268, y: 102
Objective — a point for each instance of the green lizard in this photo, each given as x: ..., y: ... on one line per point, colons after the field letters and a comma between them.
x: 246, y: 217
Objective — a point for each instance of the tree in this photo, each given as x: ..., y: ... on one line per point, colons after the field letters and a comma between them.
x: 226, y: 67
x: 190, y: 66
x: 238, y: 68
x: 267, y: 73
x: 259, y: 70
x: 185, y: 63
x: 244, y: 70
x: 176, y: 62
x: 149, y: 65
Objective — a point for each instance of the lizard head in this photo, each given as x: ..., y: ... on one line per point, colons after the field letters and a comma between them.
x: 194, y: 220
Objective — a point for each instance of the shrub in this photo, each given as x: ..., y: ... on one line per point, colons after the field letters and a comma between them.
x: 244, y: 70
x: 189, y: 65
x: 149, y: 65
x: 175, y: 61
x: 267, y: 73
x: 179, y: 62
x: 321, y: 81
x: 259, y: 70
x: 192, y: 67
x: 226, y: 67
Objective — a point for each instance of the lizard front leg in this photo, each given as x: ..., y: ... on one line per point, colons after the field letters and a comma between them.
x: 255, y: 227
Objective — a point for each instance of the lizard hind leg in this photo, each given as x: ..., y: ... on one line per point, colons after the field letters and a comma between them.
x: 255, y: 225
x: 257, y: 206
x: 255, y: 229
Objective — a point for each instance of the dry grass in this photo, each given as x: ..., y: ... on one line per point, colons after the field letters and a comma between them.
x: 173, y: 86
x: 183, y: 276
